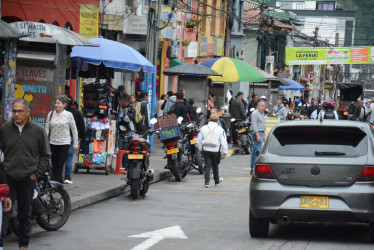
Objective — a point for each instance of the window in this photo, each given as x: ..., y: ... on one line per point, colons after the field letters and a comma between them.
x: 325, y: 5
x: 299, y: 6
x: 68, y: 26
x: 56, y: 23
x: 213, y: 19
x: 190, y: 9
x: 204, y: 18
x: 222, y: 18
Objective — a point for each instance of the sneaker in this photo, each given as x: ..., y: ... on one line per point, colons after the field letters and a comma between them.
x: 206, y: 186
x: 68, y: 181
x: 219, y: 181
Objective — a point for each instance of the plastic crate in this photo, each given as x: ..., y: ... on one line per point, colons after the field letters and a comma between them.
x: 167, y: 121
x: 169, y: 133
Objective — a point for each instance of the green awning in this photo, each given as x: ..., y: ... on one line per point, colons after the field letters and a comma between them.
x: 175, y: 62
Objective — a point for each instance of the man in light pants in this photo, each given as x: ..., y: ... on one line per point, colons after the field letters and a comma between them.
x: 258, y: 126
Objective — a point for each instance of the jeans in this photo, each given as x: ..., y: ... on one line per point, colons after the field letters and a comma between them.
x: 256, y: 146
x: 69, y: 160
x: 58, y: 158
x: 122, y: 145
x: 22, y: 191
x: 212, y: 160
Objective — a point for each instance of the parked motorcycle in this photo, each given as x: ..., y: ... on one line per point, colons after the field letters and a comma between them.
x: 191, y: 152
x: 170, y: 137
x: 138, y: 174
x: 51, y: 205
x: 244, y: 134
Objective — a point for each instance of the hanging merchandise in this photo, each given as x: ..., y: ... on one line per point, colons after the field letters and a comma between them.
x: 96, y: 112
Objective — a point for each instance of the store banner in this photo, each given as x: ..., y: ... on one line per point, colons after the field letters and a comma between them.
x: 340, y: 55
x: 89, y: 21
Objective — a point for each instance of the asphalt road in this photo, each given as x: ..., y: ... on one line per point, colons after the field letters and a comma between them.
x: 187, y: 216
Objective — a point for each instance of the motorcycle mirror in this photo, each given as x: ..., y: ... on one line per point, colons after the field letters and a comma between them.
x: 232, y: 119
x: 300, y: 104
x: 198, y: 110
x: 180, y: 119
x: 153, y: 121
x: 252, y: 109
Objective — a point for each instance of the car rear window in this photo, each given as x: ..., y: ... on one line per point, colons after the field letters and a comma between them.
x: 306, y: 141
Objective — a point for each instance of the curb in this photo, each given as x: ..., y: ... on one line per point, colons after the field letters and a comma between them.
x: 107, y: 193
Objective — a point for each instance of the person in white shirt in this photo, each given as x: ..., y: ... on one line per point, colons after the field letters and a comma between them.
x: 328, y: 112
x: 212, y: 153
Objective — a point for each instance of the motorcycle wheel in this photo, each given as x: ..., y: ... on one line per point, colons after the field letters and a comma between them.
x: 144, y: 189
x: 199, y: 160
x: 59, y: 212
x: 175, y: 170
x: 245, y: 146
x: 134, y: 186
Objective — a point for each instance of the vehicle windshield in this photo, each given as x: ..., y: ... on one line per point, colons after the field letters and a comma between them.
x: 319, y: 142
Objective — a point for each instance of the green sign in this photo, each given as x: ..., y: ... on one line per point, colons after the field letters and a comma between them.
x: 341, y: 55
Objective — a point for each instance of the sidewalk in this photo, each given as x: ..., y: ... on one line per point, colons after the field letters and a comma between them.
x: 95, y: 186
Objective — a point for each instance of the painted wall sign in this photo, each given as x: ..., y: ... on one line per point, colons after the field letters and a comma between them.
x: 89, y: 21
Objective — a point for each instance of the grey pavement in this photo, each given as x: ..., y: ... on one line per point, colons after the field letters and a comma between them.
x: 94, y: 186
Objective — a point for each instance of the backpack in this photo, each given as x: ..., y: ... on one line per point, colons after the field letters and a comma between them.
x: 172, y: 109
x: 329, y: 114
x: 138, y: 114
x: 102, y: 111
x: 210, y: 140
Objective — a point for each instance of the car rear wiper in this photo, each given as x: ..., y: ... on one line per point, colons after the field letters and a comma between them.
x: 329, y: 153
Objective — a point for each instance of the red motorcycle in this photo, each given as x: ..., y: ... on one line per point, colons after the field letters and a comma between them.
x: 138, y: 174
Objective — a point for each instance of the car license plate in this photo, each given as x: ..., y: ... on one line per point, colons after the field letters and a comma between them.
x: 172, y: 151
x: 320, y: 202
x: 135, y: 157
x: 241, y: 130
x: 193, y: 141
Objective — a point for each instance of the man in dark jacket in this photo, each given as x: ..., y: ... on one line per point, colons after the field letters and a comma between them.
x: 143, y: 126
x: 312, y: 108
x: 181, y: 107
x: 237, y: 112
x: 27, y: 156
x: 253, y: 104
x: 81, y: 127
x: 126, y: 125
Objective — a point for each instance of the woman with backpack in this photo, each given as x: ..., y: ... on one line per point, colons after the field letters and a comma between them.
x: 328, y: 112
x: 212, y: 142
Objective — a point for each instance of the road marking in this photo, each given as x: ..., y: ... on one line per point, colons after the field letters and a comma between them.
x: 238, y: 178
x: 156, y: 236
x: 247, y: 169
x: 239, y: 172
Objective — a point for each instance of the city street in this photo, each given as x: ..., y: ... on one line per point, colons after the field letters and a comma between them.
x: 187, y: 216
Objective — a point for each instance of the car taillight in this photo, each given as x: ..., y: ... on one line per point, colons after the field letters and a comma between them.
x: 263, y: 171
x: 194, y: 133
x: 171, y: 144
x: 367, y: 174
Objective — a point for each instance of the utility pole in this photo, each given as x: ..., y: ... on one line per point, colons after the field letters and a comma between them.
x: 229, y: 20
x: 335, y: 67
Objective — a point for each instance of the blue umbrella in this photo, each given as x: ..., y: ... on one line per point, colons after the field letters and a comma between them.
x: 293, y: 86
x: 112, y: 54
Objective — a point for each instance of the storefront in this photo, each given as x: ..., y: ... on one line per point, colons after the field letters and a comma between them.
x: 41, y: 65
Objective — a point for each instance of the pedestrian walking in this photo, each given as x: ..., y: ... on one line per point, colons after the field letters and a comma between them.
x: 258, y: 127
x: 368, y: 111
x: 180, y: 109
x: 252, y: 104
x: 26, y: 157
x: 79, y: 123
x: 313, y: 110
x: 159, y: 103
x: 212, y: 142
x: 58, y: 125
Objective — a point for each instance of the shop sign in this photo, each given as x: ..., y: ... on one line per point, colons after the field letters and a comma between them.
x: 218, y: 46
x: 191, y: 50
x: 135, y: 25
x: 89, y: 21
x: 210, y: 49
x: 269, y: 59
x: 270, y: 123
x: 36, y: 86
x: 340, y: 55
x: 203, y: 45
x: 180, y: 33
